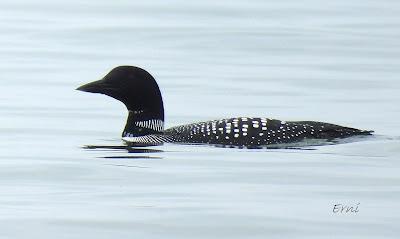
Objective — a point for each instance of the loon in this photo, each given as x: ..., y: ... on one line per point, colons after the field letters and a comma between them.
x: 139, y: 91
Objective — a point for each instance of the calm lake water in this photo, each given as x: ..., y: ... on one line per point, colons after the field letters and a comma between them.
x: 335, y: 61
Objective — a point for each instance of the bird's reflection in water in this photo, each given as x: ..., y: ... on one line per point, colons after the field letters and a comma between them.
x: 127, y: 148
x: 139, y: 151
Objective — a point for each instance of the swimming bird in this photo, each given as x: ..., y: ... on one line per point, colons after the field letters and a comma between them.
x: 139, y: 91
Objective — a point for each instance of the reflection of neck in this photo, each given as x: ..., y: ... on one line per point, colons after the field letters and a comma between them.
x: 142, y: 123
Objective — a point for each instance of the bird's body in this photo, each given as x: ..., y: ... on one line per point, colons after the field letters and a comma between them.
x: 246, y: 131
x: 138, y: 90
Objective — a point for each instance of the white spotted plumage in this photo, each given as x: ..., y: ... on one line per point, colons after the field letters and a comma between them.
x: 242, y: 131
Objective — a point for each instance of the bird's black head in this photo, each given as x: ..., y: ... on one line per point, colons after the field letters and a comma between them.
x: 134, y: 87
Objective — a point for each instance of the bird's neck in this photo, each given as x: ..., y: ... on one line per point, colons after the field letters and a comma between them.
x: 140, y: 123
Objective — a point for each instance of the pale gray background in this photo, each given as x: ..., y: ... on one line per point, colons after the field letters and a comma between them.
x: 334, y: 61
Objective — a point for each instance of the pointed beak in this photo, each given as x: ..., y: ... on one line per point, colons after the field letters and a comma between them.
x: 93, y: 87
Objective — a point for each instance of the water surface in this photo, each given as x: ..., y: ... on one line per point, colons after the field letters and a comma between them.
x: 337, y: 62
